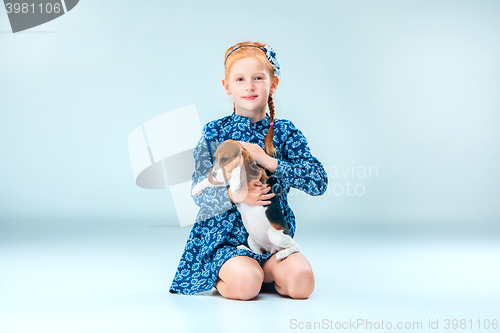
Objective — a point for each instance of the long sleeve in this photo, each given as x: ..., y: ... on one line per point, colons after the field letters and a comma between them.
x: 299, y: 168
x: 213, y: 200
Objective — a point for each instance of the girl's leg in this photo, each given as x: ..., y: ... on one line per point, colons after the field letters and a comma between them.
x: 240, y: 278
x: 292, y: 276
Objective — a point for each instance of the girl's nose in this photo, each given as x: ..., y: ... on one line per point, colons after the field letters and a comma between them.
x: 250, y: 86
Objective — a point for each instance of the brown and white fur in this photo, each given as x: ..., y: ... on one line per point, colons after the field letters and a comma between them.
x: 266, y: 225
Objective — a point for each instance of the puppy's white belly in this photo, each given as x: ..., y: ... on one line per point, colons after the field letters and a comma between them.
x: 257, y: 225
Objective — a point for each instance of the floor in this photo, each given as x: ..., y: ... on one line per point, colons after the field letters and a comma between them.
x: 109, y: 276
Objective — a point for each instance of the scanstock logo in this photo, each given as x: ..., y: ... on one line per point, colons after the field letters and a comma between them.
x: 31, y: 13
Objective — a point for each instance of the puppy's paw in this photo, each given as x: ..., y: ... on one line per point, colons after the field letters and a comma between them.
x: 283, y: 254
x: 197, y: 189
x: 243, y: 247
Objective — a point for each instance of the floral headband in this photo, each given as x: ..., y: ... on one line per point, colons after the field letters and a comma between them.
x: 270, y: 53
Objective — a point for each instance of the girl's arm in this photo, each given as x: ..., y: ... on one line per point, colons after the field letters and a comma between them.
x: 299, y: 168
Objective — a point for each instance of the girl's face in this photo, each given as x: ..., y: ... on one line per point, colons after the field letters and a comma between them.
x: 249, y: 83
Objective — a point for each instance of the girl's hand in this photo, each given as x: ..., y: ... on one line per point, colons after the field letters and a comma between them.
x: 260, y: 155
x: 254, y: 193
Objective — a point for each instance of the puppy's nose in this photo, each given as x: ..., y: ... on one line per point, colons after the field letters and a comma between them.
x: 214, y: 174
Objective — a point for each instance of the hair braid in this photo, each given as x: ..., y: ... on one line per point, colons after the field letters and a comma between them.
x: 268, y: 142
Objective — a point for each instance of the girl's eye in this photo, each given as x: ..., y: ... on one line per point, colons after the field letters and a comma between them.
x: 258, y: 78
x: 239, y: 79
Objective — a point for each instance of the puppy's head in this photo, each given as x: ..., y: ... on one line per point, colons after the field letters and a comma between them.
x: 227, y: 157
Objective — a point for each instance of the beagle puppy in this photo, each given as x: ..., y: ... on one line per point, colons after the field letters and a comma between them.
x: 266, y: 225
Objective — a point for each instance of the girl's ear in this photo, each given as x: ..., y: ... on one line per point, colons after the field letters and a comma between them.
x: 226, y: 86
x: 274, y: 85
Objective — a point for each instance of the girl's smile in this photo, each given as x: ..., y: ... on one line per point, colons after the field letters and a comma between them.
x: 249, y: 98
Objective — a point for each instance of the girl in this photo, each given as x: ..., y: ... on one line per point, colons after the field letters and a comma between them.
x: 211, y: 257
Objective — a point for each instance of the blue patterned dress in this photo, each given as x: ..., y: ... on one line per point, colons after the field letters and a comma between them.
x: 218, y: 229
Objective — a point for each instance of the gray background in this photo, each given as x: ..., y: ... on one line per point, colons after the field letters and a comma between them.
x: 410, y: 87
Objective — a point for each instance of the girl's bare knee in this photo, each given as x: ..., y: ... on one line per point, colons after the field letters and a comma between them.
x: 243, y: 281
x: 248, y: 288
x: 247, y: 285
x: 300, y: 283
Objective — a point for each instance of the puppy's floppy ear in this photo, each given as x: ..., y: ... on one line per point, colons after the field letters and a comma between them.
x: 252, y: 170
x: 263, y: 176
x: 243, y: 169
x: 235, y: 181
x: 244, y: 166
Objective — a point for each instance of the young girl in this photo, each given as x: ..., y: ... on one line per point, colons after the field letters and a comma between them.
x: 211, y: 257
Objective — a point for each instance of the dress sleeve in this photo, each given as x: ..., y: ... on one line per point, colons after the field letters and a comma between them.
x: 299, y: 168
x: 213, y: 200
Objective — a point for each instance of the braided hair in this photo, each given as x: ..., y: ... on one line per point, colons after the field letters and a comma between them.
x: 268, y: 142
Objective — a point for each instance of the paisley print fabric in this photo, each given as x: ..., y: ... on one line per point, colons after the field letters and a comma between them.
x: 218, y: 229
